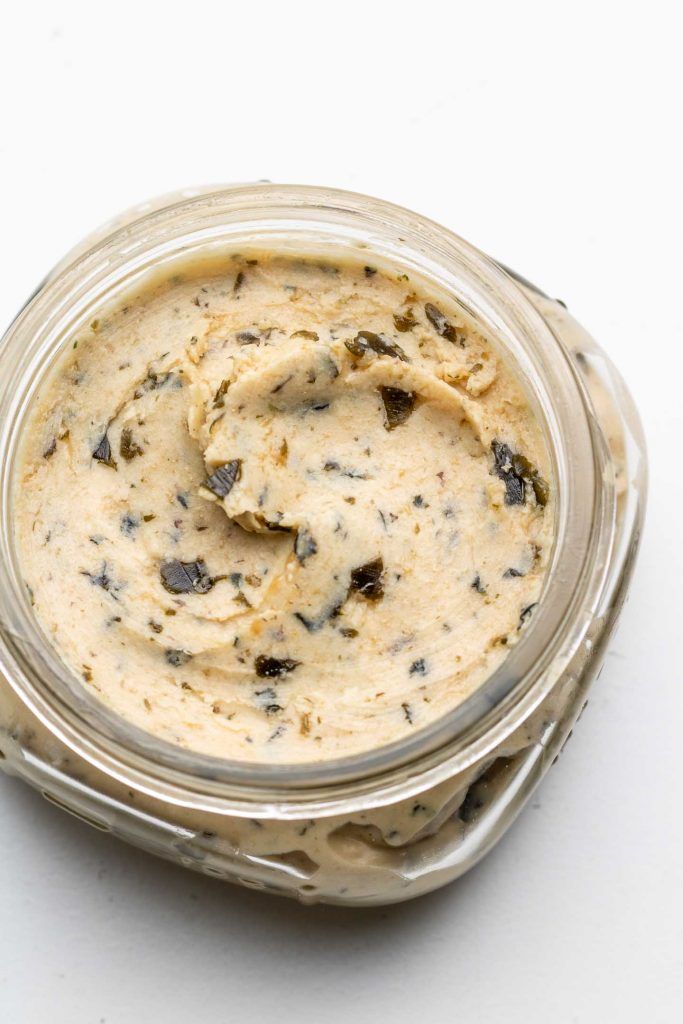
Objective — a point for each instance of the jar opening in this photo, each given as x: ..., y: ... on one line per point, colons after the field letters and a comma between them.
x: 296, y: 219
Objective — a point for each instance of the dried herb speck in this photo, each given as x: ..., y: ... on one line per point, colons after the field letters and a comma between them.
x: 248, y: 337
x: 441, y: 323
x: 50, y: 448
x: 129, y: 523
x: 310, y: 335
x: 177, y: 657
x: 221, y: 392
x: 105, y: 580
x: 128, y: 448
x: 526, y: 614
x: 477, y: 585
x: 305, y: 545
x: 405, y: 321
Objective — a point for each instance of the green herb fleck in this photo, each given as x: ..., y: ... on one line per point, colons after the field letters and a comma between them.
x: 271, y: 668
x: 398, y: 405
x: 366, y: 580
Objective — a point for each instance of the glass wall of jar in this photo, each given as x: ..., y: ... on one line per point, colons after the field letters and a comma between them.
x: 408, y: 817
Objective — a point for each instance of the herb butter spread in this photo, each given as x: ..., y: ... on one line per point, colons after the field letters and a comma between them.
x: 274, y: 509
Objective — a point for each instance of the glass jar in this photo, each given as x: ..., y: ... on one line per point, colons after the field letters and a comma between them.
x: 406, y: 818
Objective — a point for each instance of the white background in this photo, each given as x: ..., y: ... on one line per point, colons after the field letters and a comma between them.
x: 549, y: 134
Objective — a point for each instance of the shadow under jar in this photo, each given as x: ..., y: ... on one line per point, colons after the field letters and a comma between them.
x: 390, y: 823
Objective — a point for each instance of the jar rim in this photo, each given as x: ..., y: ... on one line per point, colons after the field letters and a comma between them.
x: 584, y: 506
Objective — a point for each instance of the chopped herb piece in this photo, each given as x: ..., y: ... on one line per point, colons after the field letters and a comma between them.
x: 369, y: 271
x: 271, y: 668
x: 366, y: 580
x: 219, y: 397
x: 516, y: 472
x: 404, y: 322
x: 267, y: 700
x: 526, y: 614
x: 441, y: 323
x: 524, y: 469
x: 398, y: 405
x: 270, y: 524
x: 313, y: 625
x: 348, y: 631
x: 102, y: 452
x: 504, y: 468
x: 477, y: 585
x: 419, y: 502
x: 154, y: 381
x: 239, y: 281
x: 310, y: 335
x: 156, y: 627
x: 368, y: 341
x: 223, y: 479
x: 282, y: 384
x: 149, y: 517
x: 177, y: 657
x: 511, y: 573
x: 305, y: 545
x: 129, y: 523
x: 304, y: 729
x: 408, y: 712
x: 104, y: 580
x: 127, y: 446
x: 186, y: 577
x: 248, y: 337
x: 418, y: 668
x: 331, y: 466
x: 50, y: 448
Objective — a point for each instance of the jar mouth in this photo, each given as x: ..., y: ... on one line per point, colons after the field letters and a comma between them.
x: 299, y: 218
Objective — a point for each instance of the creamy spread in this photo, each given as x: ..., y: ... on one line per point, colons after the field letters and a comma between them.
x: 279, y: 509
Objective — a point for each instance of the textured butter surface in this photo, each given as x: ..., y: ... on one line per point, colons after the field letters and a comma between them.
x: 279, y: 510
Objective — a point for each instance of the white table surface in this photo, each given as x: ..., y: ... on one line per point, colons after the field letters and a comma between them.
x: 549, y: 135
